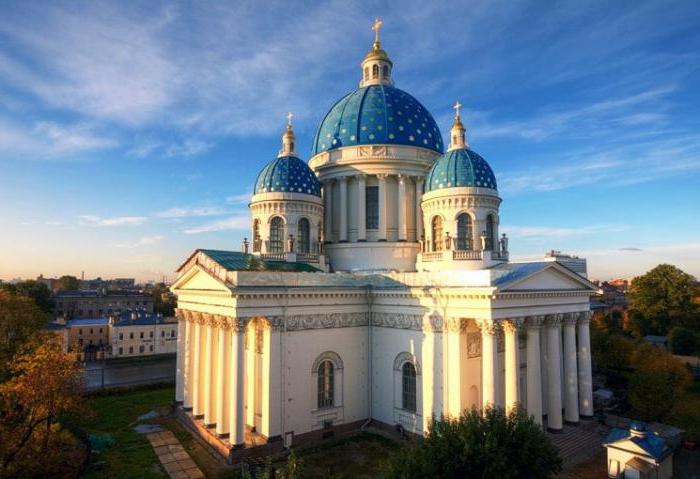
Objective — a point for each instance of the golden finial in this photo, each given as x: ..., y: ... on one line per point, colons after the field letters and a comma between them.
x: 375, y: 28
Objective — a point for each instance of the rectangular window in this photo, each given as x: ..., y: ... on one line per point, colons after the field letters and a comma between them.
x: 141, y: 349
x: 121, y: 337
x: 162, y: 333
x: 131, y: 349
x: 131, y: 335
x: 372, y: 207
x: 151, y: 334
x: 141, y: 334
x: 121, y: 351
x: 151, y: 348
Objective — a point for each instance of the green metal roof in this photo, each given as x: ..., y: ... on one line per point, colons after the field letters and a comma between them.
x: 237, y: 261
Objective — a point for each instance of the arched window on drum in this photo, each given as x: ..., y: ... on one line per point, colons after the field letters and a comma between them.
x: 490, y: 231
x: 276, y: 235
x: 464, y: 232
x: 437, y: 233
x: 303, y: 236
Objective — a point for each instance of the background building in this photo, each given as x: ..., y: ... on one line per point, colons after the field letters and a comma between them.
x: 100, y: 303
x: 574, y: 263
x: 142, y: 334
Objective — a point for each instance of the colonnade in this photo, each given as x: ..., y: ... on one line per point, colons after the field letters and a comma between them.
x: 573, y: 354
x: 408, y: 229
x: 211, y: 372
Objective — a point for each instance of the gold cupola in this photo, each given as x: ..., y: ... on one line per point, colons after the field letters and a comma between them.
x: 376, y: 66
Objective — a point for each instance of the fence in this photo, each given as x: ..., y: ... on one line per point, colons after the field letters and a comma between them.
x: 114, y: 375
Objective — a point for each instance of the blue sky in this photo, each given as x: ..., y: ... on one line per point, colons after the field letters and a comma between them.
x: 131, y: 132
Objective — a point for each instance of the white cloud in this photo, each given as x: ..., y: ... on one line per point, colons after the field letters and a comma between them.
x: 241, y: 198
x: 143, y: 241
x: 546, y: 232
x: 234, y: 223
x: 191, y: 212
x: 93, y: 220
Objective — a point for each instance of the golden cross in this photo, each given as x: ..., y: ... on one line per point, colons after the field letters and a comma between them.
x: 289, y: 118
x: 457, y: 106
x: 375, y: 28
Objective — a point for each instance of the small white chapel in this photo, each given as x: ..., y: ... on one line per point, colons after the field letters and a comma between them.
x: 375, y: 289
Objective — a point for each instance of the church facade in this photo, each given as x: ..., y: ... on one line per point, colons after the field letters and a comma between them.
x: 375, y: 288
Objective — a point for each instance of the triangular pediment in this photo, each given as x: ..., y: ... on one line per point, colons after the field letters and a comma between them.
x: 197, y: 279
x: 548, y: 277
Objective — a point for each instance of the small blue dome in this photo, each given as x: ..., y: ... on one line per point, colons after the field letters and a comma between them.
x: 287, y: 174
x: 459, y: 168
x: 377, y: 114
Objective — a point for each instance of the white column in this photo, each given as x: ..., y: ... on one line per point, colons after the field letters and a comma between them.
x: 381, y: 179
x: 585, y: 377
x: 271, y: 394
x: 512, y: 358
x: 361, y: 208
x: 328, y: 211
x: 570, y: 369
x: 222, y: 379
x: 402, y: 223
x: 419, y: 211
x: 189, y: 363
x: 207, y: 374
x: 180, y: 360
x: 534, y: 368
x: 236, y: 391
x: 554, y: 419
x: 489, y: 363
x: 197, y: 404
x: 343, y: 233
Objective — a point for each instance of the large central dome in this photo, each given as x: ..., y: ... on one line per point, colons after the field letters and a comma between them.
x: 377, y: 114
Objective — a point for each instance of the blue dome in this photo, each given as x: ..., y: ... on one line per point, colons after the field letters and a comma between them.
x: 459, y: 168
x: 377, y: 114
x: 287, y: 174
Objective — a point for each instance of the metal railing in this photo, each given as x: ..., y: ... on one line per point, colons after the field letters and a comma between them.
x: 307, y: 258
x: 462, y: 255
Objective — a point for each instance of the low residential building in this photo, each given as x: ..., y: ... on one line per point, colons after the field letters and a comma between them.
x: 638, y: 453
x: 89, y: 336
x: 141, y: 334
x: 100, y: 303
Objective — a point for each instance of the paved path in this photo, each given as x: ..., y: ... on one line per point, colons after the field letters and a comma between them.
x: 577, y: 443
x: 176, y: 462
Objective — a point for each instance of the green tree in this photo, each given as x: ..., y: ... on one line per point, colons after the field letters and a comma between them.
x: 683, y: 341
x: 68, y: 283
x: 492, y: 445
x: 163, y: 302
x: 44, y: 384
x: 20, y: 319
x: 656, y: 385
x: 39, y: 292
x: 664, y: 298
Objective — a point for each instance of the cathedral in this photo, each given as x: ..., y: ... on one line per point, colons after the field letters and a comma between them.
x: 375, y: 289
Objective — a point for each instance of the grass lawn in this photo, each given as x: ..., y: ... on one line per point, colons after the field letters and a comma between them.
x: 132, y: 456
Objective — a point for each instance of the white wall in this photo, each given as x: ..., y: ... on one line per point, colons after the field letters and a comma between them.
x: 300, y: 350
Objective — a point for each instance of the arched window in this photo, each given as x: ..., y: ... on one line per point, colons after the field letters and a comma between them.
x: 375, y: 71
x: 325, y: 384
x: 489, y: 232
x: 366, y: 73
x: 437, y: 233
x: 256, y: 235
x: 276, y: 235
x: 464, y: 232
x: 303, y: 236
x: 408, y: 387
x: 385, y: 71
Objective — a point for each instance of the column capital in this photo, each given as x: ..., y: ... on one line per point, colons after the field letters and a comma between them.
x: 489, y: 327
x: 382, y: 176
x: 512, y: 325
x: 570, y: 319
x: 360, y: 176
x: 343, y: 178
x: 584, y: 317
x: 554, y: 320
x: 419, y: 179
x: 402, y: 177
x: 535, y: 322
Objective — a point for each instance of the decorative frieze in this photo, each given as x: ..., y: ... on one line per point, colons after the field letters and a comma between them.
x: 398, y: 321
x: 326, y: 320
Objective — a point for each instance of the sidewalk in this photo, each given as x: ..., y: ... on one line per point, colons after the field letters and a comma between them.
x: 176, y: 462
